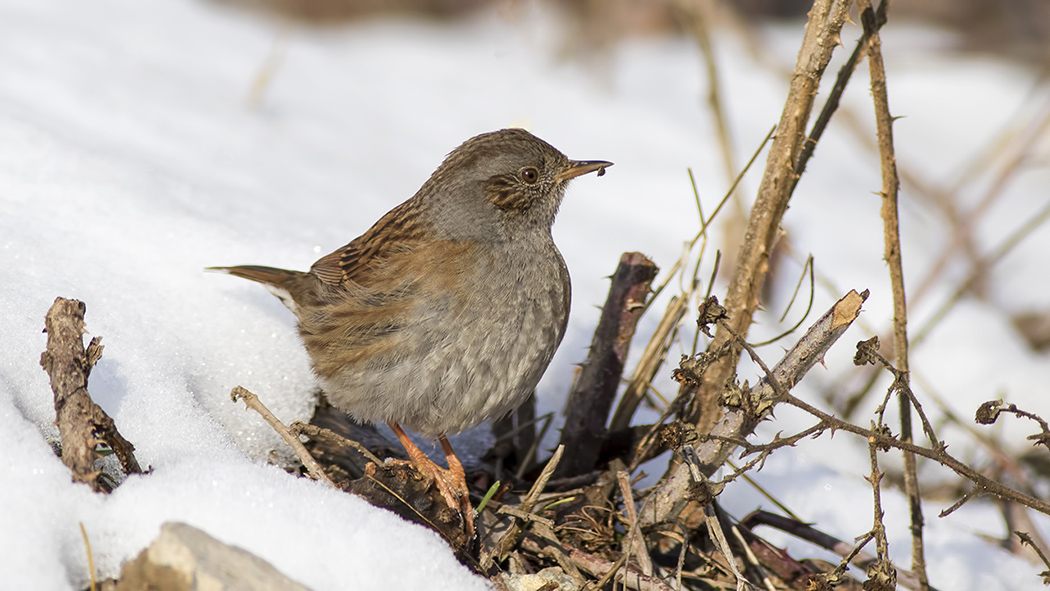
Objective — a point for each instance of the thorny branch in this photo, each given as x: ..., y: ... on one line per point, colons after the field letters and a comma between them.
x: 1027, y: 539
x: 884, y: 439
x: 881, y: 574
x: 892, y: 245
x: 868, y: 352
x: 742, y: 297
x: 989, y: 412
x: 715, y: 449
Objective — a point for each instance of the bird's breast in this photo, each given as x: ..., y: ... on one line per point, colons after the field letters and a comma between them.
x: 458, y: 340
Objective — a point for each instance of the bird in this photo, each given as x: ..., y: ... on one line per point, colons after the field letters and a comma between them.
x: 448, y: 310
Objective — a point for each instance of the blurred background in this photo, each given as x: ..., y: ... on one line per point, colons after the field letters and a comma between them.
x: 1019, y: 29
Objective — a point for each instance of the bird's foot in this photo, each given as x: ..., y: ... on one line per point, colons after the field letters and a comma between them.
x: 450, y: 482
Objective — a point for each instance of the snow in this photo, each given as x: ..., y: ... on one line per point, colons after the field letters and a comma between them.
x: 131, y: 158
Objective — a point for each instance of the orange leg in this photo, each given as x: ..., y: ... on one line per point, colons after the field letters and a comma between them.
x: 451, y: 483
x: 459, y: 476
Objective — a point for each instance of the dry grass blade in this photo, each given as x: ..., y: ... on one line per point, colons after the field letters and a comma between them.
x: 633, y: 543
x: 90, y: 555
x: 714, y: 529
x: 510, y: 538
x: 651, y: 360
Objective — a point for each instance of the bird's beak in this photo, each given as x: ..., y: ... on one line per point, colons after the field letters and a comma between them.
x: 578, y: 167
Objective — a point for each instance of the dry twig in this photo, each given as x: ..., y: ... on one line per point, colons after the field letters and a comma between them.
x: 739, y: 422
x: 892, y: 245
x: 252, y: 401
x: 82, y: 424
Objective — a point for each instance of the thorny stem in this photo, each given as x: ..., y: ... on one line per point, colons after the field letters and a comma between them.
x: 832, y: 104
x: 891, y: 232
x: 1027, y: 539
x: 847, y: 559
x: 742, y: 297
x: 984, y: 484
x: 878, y: 529
x: 903, y: 387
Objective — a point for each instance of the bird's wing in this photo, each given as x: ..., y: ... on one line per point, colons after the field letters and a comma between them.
x: 396, y: 232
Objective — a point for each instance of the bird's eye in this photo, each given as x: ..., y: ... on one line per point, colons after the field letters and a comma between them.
x: 530, y: 175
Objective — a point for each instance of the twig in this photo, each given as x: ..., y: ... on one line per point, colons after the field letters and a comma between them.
x: 606, y: 570
x: 891, y: 233
x: 738, y: 422
x: 884, y: 439
x: 882, y: 568
x: 832, y: 104
x: 989, y: 412
x: 252, y: 401
x: 835, y: 575
x: 765, y: 493
x: 1027, y: 539
x: 984, y: 484
x: 878, y: 529
x: 964, y: 228
x: 510, y: 538
x: 653, y: 357
x: 765, y: 450
x: 851, y: 553
x: 82, y: 424
x: 752, y: 559
x: 973, y: 493
x: 868, y: 351
x: 684, y: 550
x: 714, y: 529
x: 300, y: 428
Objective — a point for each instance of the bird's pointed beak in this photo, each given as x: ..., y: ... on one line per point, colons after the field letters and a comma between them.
x: 578, y: 167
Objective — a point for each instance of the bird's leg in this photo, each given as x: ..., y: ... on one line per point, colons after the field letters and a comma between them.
x: 416, y: 455
x: 455, y: 469
x: 451, y: 483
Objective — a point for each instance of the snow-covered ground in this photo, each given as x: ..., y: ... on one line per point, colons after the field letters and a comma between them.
x: 131, y: 157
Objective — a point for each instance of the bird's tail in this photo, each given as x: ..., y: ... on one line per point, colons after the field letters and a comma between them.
x: 288, y: 286
x: 266, y: 275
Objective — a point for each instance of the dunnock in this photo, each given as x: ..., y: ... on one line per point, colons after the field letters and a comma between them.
x: 447, y: 311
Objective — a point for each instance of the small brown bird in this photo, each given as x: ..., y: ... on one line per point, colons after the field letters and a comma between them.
x: 448, y: 310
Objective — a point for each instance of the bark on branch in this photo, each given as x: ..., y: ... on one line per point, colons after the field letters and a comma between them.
x: 82, y: 424
x: 822, y: 36
x: 592, y: 395
x: 756, y: 403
